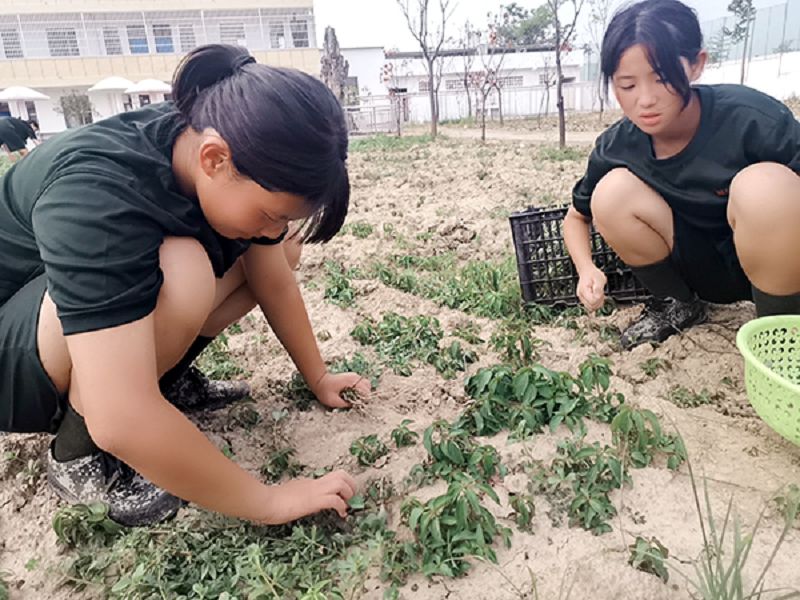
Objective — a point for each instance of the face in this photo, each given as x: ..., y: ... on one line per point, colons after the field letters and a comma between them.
x: 652, y: 105
x: 236, y: 206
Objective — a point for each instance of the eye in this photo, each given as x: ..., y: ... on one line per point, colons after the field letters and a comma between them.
x: 626, y: 87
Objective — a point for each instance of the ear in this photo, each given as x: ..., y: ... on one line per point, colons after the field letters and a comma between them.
x: 698, y: 66
x: 214, y: 155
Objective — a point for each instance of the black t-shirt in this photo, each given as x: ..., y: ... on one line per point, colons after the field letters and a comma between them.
x: 739, y: 126
x: 91, y: 208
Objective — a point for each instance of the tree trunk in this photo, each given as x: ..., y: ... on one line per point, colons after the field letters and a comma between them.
x: 469, y: 98
x: 744, y: 53
x: 500, y: 104
x: 432, y: 97
x: 483, y: 118
x: 562, y: 126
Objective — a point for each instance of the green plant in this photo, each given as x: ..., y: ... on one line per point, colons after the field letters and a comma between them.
x: 452, y: 451
x: 453, y: 527
x: 281, y: 463
x: 524, y: 510
x: 515, y: 342
x: 337, y: 285
x: 403, y: 436
x: 561, y: 154
x: 3, y: 574
x: 652, y: 366
x: 638, y: 435
x: 649, y: 556
x: 368, y: 450
x: 81, y: 524
x: 297, y: 389
x: 388, y: 143
x: 686, y: 398
x: 452, y: 360
x: 469, y: 331
x: 216, y: 361
x: 359, y: 229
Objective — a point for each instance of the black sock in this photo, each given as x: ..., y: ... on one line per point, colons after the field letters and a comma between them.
x: 175, y: 373
x: 72, y: 438
x: 767, y: 304
x: 663, y: 280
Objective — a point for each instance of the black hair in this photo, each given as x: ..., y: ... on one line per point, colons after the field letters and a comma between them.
x: 669, y: 31
x: 286, y: 130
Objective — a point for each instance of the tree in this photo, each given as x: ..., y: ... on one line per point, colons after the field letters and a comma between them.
x: 599, y: 12
x: 745, y: 14
x: 518, y: 26
x: 718, y: 47
x: 564, y: 32
x: 548, y: 79
x: 468, y: 42
x: 488, y: 80
x: 76, y: 108
x: 333, y: 66
x: 428, y: 27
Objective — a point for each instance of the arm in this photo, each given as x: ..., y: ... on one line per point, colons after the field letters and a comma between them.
x: 114, y: 377
x: 591, y: 280
x: 273, y: 284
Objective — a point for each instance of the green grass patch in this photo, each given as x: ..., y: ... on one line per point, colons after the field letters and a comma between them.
x: 562, y: 154
x: 388, y: 143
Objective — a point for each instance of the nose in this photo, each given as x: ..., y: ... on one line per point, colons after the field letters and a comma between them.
x: 648, y: 96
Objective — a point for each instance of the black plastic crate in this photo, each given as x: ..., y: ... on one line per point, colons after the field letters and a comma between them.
x: 546, y: 273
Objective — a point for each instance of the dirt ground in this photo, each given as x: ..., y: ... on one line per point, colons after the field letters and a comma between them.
x: 455, y: 195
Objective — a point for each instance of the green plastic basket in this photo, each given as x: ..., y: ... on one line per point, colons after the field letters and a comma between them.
x: 771, y: 350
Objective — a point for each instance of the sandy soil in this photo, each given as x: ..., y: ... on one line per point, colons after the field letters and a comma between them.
x: 458, y: 194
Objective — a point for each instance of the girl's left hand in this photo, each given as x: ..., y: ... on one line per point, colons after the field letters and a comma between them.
x: 328, y: 390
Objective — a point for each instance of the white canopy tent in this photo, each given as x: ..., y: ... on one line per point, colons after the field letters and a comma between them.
x: 17, y: 95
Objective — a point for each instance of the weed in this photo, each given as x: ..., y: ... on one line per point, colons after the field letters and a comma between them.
x: 360, y: 229
x: 297, y: 389
x: 469, y: 331
x: 82, y: 524
x: 337, y: 285
x: 649, y: 556
x: 637, y: 433
x: 454, y: 526
x: 279, y: 464
x: 388, y: 143
x: 4, y: 594
x: 234, y: 329
x: 524, y: 510
x: 686, y: 398
x: 561, y: 154
x: 403, y: 436
x: 216, y: 361
x: 652, y: 366
x: 368, y: 450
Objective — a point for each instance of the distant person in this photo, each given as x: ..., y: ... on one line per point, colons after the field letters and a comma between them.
x: 14, y: 134
x: 696, y: 189
x: 129, y: 244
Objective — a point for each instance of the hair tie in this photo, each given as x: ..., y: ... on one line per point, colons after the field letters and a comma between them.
x: 240, y: 61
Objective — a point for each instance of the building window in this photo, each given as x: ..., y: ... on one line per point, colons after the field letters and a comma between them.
x: 62, y: 42
x: 232, y: 33
x: 547, y: 78
x: 144, y: 99
x: 30, y: 108
x: 514, y: 81
x: 452, y: 85
x: 277, y: 35
x: 162, y: 34
x: 137, y: 39
x: 12, y: 45
x: 4, y: 110
x: 112, y: 41
x: 423, y: 85
x: 299, y: 29
x: 186, y: 37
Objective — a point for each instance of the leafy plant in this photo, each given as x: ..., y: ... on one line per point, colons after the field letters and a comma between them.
x: 216, y: 361
x: 638, y: 434
x: 279, y: 464
x: 524, y: 510
x: 82, y: 524
x: 359, y: 229
x: 452, y: 360
x: 337, y: 285
x: 469, y: 331
x: 453, y: 527
x: 403, y: 436
x: 368, y: 449
x: 652, y: 366
x: 649, y: 556
x: 515, y: 342
x: 685, y: 398
x: 453, y: 451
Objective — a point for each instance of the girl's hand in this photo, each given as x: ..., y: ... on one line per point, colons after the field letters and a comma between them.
x: 328, y: 390
x: 591, y: 289
x: 302, y: 497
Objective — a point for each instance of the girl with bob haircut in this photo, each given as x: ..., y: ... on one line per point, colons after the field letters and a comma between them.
x: 696, y: 188
x: 129, y: 244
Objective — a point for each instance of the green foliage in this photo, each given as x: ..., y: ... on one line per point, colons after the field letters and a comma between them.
x: 744, y: 12
x: 561, y: 154
x: 453, y: 527
x: 368, y: 450
x: 686, y: 398
x: 637, y: 432
x: 403, y: 436
x: 401, y: 341
x: 519, y: 26
x: 281, y: 463
x: 515, y: 342
x: 652, y: 366
x: 453, y: 451
x: 5, y: 165
x: 337, y: 284
x: 649, y: 556
x: 469, y: 331
x: 3, y: 575
x: 216, y: 361
x: 388, y: 143
x: 524, y: 510
x: 82, y: 524
x: 360, y: 229
x: 298, y: 392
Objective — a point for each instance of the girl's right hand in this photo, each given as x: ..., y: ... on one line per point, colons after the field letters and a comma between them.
x: 302, y: 497
x: 591, y: 289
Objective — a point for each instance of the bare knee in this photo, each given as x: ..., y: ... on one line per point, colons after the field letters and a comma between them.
x: 763, y: 196
x: 614, y: 196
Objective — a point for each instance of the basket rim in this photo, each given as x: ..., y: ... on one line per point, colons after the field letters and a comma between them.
x: 759, y: 324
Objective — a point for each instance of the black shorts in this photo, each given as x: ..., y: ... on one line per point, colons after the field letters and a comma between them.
x: 709, y: 264
x: 13, y: 141
x: 29, y: 402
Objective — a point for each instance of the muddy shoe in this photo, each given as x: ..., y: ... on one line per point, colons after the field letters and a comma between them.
x: 662, y: 318
x: 132, y: 500
x: 195, y: 391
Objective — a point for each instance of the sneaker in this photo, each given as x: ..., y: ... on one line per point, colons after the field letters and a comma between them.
x: 132, y: 500
x: 194, y: 391
x: 662, y: 318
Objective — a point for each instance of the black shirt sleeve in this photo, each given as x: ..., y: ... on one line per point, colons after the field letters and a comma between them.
x: 100, y: 250
x: 596, y: 169
x: 782, y: 142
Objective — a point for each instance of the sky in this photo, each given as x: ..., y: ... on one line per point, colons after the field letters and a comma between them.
x: 380, y: 23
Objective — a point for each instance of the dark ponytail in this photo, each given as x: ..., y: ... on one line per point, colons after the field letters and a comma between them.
x: 285, y: 128
x: 669, y: 31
